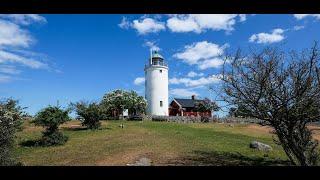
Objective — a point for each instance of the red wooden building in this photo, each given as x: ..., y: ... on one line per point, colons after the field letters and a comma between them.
x: 186, y: 107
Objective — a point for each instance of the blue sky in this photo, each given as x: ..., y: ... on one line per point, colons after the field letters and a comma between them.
x: 67, y: 58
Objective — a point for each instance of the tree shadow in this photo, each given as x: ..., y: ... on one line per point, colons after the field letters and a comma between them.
x: 84, y: 128
x: 30, y: 143
x: 81, y: 128
x: 213, y: 158
x: 106, y: 128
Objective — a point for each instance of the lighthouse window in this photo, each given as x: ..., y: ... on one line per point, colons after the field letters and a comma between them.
x: 160, y: 70
x: 161, y: 104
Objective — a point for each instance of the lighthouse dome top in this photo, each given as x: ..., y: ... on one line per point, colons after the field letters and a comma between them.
x: 155, y: 54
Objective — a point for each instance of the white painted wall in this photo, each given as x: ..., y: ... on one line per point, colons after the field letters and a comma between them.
x: 156, y: 90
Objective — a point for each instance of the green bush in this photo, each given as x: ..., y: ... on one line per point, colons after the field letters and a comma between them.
x: 91, y: 114
x: 50, y: 118
x: 53, y: 138
x: 205, y: 119
x: 10, y: 122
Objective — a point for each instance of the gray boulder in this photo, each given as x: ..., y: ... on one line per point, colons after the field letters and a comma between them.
x: 141, y: 162
x: 260, y: 146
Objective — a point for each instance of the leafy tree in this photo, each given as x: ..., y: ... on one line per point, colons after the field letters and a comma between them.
x: 282, y: 89
x: 239, y: 111
x: 91, y: 114
x: 232, y: 112
x: 206, y: 105
x: 50, y: 118
x: 115, y: 102
x: 137, y: 104
x: 10, y: 122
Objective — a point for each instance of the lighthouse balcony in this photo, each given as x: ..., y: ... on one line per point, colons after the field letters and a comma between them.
x: 157, y: 63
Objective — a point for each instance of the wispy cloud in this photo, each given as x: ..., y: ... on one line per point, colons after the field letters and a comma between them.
x: 196, y: 82
x: 266, y: 38
x: 139, y: 81
x: 194, y: 74
x: 211, y: 63
x: 242, y: 17
x: 182, y: 92
x: 7, y: 69
x: 302, y: 16
x: 297, y: 28
x: 8, y: 57
x: 24, y: 19
x: 152, y: 45
x: 5, y: 78
x: 11, y: 35
x: 125, y: 24
x: 15, y: 43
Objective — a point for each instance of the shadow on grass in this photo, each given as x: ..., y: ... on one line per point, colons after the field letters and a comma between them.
x: 30, y: 143
x: 81, y: 128
x: 213, y: 158
x: 40, y: 143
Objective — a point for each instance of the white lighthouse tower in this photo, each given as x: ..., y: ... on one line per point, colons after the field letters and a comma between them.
x: 156, y: 85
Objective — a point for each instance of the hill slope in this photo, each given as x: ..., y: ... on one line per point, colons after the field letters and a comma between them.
x: 163, y: 143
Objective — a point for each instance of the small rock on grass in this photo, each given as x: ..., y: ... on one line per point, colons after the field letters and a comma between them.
x: 260, y: 146
x: 141, y: 162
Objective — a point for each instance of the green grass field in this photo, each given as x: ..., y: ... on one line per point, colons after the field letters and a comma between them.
x: 163, y: 142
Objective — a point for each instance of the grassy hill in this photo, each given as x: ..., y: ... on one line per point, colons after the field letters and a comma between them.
x: 163, y: 142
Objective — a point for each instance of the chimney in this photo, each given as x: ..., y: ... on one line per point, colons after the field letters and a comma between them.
x: 193, y: 97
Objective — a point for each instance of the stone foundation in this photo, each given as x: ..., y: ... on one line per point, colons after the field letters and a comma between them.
x: 179, y: 119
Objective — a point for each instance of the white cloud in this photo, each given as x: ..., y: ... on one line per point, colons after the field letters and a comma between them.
x: 194, y: 74
x: 197, y: 23
x: 12, y: 35
x: 8, y: 57
x: 275, y: 36
x: 193, y: 53
x: 216, y: 21
x: 183, y: 24
x: 125, y: 24
x: 201, y: 22
x: 139, y: 80
x: 243, y: 17
x: 203, y: 54
x: 196, y: 82
x: 179, y: 80
x: 297, y: 28
x: 302, y: 16
x: 210, y: 63
x: 152, y: 45
x: 180, y: 92
x: 148, y: 25
x: 24, y: 19
x: 6, y: 69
